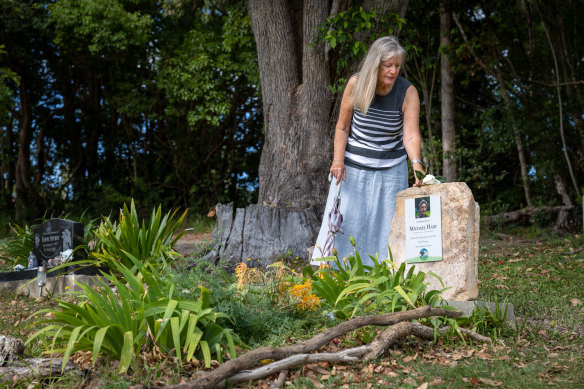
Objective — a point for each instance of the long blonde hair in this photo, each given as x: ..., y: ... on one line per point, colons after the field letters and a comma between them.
x: 381, y: 50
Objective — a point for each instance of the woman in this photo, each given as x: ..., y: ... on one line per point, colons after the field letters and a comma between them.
x: 378, y: 128
x: 423, y: 209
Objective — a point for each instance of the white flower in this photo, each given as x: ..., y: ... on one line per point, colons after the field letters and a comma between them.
x: 429, y: 180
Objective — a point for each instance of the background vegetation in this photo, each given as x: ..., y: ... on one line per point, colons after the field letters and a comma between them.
x: 102, y: 101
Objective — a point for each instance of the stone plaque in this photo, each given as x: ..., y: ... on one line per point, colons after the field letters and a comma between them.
x: 55, y: 236
x: 460, y: 239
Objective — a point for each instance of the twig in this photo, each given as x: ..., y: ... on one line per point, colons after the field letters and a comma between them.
x: 572, y: 252
x: 281, y: 379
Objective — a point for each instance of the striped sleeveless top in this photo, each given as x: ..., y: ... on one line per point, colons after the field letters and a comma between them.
x: 376, y: 139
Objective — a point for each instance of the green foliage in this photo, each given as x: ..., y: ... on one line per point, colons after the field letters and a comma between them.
x: 152, y: 242
x: 258, y: 315
x: 356, y: 289
x: 18, y: 247
x: 487, y: 322
x: 143, y: 312
x: 103, y: 26
x: 351, y: 32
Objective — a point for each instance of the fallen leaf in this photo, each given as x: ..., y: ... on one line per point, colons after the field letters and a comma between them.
x: 487, y: 381
x: 484, y: 356
x: 316, y: 383
x: 552, y: 355
x: 423, y: 386
x: 575, y: 302
x: 317, y: 369
x: 409, y: 381
x: 437, y: 381
x: 392, y: 374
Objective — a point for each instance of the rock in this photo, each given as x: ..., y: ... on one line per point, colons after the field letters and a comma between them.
x: 10, y: 349
x: 460, y: 239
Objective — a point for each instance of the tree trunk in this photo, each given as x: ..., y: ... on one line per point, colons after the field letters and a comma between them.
x: 449, y: 166
x: 297, y: 149
x: 296, y: 152
x: 22, y: 168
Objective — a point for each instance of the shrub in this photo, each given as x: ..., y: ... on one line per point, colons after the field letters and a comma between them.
x: 19, y: 246
x: 145, y: 313
x: 149, y: 243
x: 258, y: 301
x: 355, y: 289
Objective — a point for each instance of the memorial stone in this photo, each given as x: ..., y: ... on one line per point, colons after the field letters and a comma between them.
x: 55, y: 236
x: 458, y: 268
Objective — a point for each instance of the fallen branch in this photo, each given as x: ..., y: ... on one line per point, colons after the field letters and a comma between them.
x: 281, y: 379
x: 34, y: 368
x: 525, y: 214
x: 572, y: 252
x: 350, y: 355
x: 368, y: 352
x: 214, y: 378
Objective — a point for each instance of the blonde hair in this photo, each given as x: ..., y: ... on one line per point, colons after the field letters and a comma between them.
x: 381, y: 50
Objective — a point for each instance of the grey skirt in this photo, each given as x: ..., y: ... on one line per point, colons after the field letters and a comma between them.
x: 367, y: 205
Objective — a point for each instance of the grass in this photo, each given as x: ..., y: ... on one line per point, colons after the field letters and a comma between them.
x: 542, y: 276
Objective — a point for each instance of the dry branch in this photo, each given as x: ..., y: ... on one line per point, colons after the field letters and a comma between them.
x: 34, y: 368
x: 367, y: 352
x: 525, y: 214
x: 229, y: 368
x: 281, y: 379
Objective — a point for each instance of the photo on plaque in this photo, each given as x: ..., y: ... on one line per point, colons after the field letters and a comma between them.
x: 422, y: 209
x: 423, y: 229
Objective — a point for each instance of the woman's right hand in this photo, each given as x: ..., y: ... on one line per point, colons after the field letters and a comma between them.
x: 338, y: 171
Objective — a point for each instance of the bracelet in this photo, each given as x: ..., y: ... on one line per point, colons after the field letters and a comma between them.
x: 416, y: 161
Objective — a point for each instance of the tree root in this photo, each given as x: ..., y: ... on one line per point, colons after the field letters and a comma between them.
x: 300, y: 351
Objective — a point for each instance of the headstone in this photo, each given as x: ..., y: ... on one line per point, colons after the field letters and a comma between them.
x: 460, y: 218
x: 55, y: 236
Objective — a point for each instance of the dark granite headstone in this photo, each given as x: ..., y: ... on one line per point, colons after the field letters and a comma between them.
x: 55, y: 236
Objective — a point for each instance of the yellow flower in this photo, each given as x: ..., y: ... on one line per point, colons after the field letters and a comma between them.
x: 323, y: 266
x: 240, y: 271
x: 305, y: 299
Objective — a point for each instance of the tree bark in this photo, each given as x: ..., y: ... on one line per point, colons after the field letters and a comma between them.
x: 296, y: 104
x: 449, y: 166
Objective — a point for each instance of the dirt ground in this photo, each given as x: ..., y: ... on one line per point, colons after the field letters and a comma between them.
x: 192, y: 242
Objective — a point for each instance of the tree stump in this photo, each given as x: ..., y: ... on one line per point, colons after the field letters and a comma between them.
x: 262, y: 233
